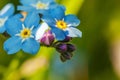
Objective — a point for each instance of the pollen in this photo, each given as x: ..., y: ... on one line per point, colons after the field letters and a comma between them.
x: 25, y: 33
x: 61, y: 24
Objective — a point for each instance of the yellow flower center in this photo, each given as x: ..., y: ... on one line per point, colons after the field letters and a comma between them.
x: 61, y: 24
x: 25, y: 33
x: 41, y: 6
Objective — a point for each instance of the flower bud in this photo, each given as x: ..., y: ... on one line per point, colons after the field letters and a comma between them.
x: 67, y: 55
x: 70, y: 48
x: 61, y: 47
x: 65, y: 50
x: 47, y: 39
x: 63, y: 59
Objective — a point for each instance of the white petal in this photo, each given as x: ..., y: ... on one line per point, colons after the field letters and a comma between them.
x: 43, y: 27
x: 73, y: 32
x: 5, y: 9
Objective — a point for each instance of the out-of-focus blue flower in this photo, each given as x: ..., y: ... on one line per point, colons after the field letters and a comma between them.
x: 62, y: 25
x: 22, y: 34
x: 40, y: 6
x: 5, y: 13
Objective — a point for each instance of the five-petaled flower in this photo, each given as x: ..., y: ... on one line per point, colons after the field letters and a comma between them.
x: 22, y: 34
x: 62, y: 25
x: 5, y: 13
x: 40, y: 6
x: 45, y: 24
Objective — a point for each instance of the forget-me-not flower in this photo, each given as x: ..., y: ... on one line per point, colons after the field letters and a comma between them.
x: 62, y: 25
x: 22, y: 34
x: 5, y: 13
x: 40, y: 6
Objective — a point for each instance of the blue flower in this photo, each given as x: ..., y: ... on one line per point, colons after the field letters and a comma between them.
x: 22, y: 34
x: 40, y: 6
x: 5, y: 13
x: 62, y: 25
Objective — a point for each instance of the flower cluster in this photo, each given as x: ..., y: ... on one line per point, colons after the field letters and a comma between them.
x: 45, y: 24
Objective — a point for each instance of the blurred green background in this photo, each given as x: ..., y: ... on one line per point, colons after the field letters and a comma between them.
x: 97, y: 54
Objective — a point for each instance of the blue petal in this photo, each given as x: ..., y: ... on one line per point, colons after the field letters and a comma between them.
x: 58, y: 12
x: 32, y: 19
x: 8, y: 10
x: 13, y: 45
x: 31, y: 46
x: 26, y: 8
x: 42, y: 11
x: 59, y: 34
x: 18, y: 16
x: 54, y: 5
x: 72, y: 20
x: 2, y: 29
x: 49, y: 20
x: 13, y: 25
x: 28, y: 2
x: 47, y: 1
x: 73, y: 32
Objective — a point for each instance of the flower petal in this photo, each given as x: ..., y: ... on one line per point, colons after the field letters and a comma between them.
x: 49, y: 20
x: 59, y: 34
x: 18, y: 16
x: 2, y: 29
x: 13, y: 25
x: 31, y: 46
x: 72, y: 20
x: 28, y: 2
x: 47, y: 1
x: 32, y: 19
x: 58, y: 12
x: 73, y: 32
x: 12, y: 45
x: 54, y: 5
x: 42, y: 11
x: 41, y: 30
x: 26, y: 8
x: 8, y: 10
